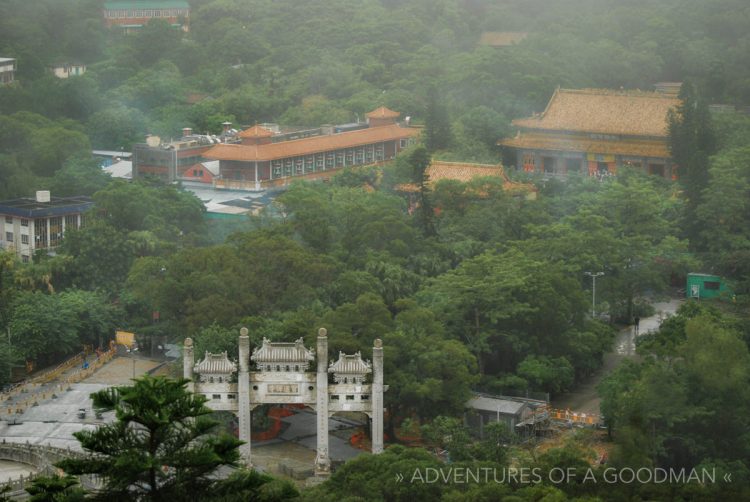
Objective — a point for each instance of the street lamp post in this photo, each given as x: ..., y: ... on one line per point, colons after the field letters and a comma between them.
x: 593, y: 276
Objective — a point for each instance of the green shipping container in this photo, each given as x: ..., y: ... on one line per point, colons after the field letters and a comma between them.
x: 706, y: 286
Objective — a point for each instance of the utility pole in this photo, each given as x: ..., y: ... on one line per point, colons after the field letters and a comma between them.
x: 593, y: 276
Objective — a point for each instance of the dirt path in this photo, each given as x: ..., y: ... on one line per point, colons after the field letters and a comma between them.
x: 585, y: 399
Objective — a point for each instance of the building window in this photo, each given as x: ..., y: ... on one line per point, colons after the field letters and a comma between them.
x: 529, y: 162
x: 335, y: 397
x: 349, y: 157
x: 71, y: 222
x: 712, y: 285
x: 365, y: 397
x: 55, y: 230
x: 216, y: 396
x: 231, y: 396
x: 25, y: 258
x: 9, y: 220
x: 403, y: 143
x: 330, y: 160
x: 9, y: 236
x: 24, y: 239
x: 572, y: 165
x: 350, y: 397
x: 339, y: 159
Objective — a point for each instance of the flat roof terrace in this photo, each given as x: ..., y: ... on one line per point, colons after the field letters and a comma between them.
x: 28, y: 207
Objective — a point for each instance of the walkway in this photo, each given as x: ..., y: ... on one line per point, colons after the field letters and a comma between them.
x: 54, y: 418
x: 585, y: 398
x: 13, y: 470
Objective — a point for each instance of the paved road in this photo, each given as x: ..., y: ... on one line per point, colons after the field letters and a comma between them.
x: 585, y: 399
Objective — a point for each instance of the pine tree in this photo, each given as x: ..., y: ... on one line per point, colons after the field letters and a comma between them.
x: 691, y: 142
x: 161, y: 446
x: 437, y: 128
x: 419, y: 161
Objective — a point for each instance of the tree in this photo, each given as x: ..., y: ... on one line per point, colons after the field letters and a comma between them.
x: 56, y: 489
x: 419, y: 161
x: 691, y: 143
x: 437, y: 130
x: 79, y: 176
x: 547, y: 374
x: 161, y: 446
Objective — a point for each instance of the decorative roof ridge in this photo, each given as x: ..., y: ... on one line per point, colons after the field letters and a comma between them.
x: 383, y: 112
x: 350, y: 363
x: 215, y: 363
x: 636, y: 93
x: 256, y: 131
x: 471, y: 164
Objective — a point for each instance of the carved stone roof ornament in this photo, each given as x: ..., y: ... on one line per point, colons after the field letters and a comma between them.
x: 283, y: 353
x: 350, y: 364
x: 215, y: 364
x: 350, y: 368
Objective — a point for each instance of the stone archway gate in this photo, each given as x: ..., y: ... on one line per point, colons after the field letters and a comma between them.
x: 282, y: 377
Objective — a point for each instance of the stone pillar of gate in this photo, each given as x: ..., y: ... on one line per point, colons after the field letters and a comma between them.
x: 322, y: 459
x: 243, y: 384
x: 188, y: 361
x: 377, y: 397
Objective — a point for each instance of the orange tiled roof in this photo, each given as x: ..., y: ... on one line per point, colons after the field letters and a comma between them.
x: 634, y: 113
x: 308, y: 146
x: 256, y: 132
x: 383, y: 113
x: 502, y: 38
x: 636, y: 148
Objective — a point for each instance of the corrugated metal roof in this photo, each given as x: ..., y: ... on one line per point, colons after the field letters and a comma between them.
x: 212, y: 166
x: 351, y: 364
x: 281, y: 352
x: 504, y: 406
x: 215, y: 363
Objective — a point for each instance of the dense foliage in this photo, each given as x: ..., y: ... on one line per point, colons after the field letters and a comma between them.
x: 472, y: 289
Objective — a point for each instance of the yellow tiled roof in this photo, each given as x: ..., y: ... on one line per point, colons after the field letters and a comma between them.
x: 464, y: 172
x: 634, y: 113
x: 636, y: 148
x: 502, y: 38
